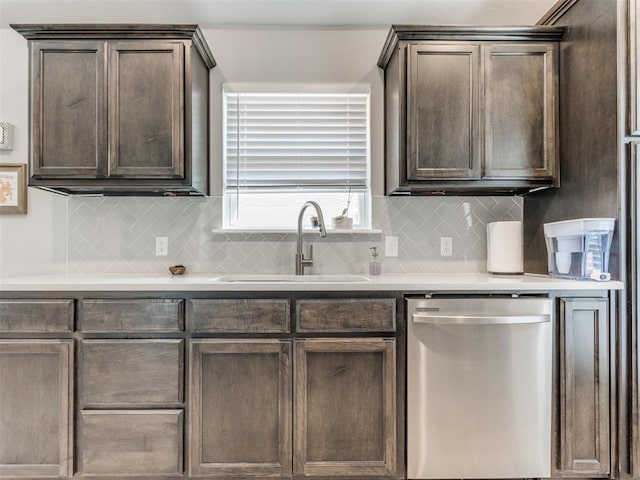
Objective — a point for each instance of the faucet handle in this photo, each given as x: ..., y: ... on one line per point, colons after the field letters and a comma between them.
x: 310, y: 252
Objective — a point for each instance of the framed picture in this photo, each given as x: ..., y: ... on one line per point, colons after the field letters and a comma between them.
x: 13, y: 188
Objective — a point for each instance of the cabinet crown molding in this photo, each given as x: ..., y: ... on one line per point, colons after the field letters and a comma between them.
x: 556, y: 12
x: 408, y: 33
x: 118, y: 31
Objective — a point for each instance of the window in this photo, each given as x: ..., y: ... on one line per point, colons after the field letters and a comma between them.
x: 282, y: 148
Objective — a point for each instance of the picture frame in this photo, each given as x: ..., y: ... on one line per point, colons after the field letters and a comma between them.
x: 13, y: 188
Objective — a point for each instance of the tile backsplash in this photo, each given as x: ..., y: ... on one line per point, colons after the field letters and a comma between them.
x: 117, y: 235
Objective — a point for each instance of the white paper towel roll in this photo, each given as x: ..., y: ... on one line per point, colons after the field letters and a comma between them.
x: 504, y: 247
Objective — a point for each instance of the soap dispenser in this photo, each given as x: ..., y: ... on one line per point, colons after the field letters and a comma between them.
x: 374, y: 264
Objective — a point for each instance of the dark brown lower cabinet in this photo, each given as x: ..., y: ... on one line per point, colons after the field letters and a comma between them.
x: 36, y: 408
x: 584, y: 388
x: 240, y: 408
x: 319, y: 402
x: 345, y: 415
x: 308, y: 404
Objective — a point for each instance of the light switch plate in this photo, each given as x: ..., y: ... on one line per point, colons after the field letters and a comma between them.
x: 6, y: 136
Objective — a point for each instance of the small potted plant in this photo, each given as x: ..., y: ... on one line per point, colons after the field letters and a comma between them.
x: 343, y: 221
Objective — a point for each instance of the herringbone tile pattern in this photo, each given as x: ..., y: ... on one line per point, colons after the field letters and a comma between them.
x: 117, y: 235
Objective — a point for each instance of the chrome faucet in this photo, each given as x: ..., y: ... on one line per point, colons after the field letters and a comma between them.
x: 302, y: 262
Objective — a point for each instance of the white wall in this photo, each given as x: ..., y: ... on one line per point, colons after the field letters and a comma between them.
x: 36, y: 242
x: 300, y: 56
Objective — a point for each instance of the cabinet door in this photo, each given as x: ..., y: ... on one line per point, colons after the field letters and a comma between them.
x: 584, y: 387
x: 68, y: 114
x: 146, y: 107
x: 35, y: 408
x: 520, y: 111
x: 345, y: 412
x: 240, y: 400
x: 443, y: 119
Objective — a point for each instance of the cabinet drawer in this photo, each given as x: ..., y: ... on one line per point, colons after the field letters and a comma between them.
x: 131, y: 442
x: 132, y: 372
x: 346, y: 315
x: 36, y: 316
x: 135, y: 315
x: 240, y: 316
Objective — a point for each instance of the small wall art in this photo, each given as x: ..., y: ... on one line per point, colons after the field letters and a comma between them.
x: 13, y: 188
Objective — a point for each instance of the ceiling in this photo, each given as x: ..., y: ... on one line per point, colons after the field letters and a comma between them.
x: 277, y: 13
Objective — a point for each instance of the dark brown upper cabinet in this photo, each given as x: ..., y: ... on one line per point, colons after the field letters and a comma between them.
x: 119, y: 109
x: 471, y: 110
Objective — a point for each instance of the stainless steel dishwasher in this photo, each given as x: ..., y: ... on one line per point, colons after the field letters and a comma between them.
x: 479, y: 387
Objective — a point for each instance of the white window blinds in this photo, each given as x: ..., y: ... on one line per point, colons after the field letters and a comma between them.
x: 296, y: 139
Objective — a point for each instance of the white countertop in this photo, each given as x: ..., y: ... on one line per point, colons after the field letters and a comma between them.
x: 211, y: 282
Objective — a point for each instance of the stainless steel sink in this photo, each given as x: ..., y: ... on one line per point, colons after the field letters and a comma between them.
x: 266, y: 278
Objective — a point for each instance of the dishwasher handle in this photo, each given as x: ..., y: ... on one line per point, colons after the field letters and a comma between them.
x: 438, y: 319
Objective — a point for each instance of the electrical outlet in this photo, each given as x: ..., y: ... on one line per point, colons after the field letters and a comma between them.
x: 162, y: 246
x: 446, y: 246
x: 390, y: 246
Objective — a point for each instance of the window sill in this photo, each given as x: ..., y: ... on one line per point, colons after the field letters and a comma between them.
x: 287, y: 231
